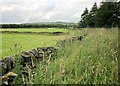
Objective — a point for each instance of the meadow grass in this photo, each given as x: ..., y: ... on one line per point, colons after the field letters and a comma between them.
x: 27, y: 42
x: 91, y: 61
x: 30, y: 41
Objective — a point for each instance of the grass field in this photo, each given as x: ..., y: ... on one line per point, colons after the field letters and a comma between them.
x: 27, y: 42
x: 30, y: 41
x: 90, y: 61
x: 36, y: 30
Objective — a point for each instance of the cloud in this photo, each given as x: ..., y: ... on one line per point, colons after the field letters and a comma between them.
x: 20, y: 11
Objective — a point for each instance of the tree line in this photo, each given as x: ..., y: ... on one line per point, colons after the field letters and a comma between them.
x: 34, y: 25
x: 106, y: 15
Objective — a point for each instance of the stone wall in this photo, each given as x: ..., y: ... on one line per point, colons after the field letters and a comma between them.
x: 27, y: 57
x: 32, y: 56
x: 7, y: 63
x: 69, y: 41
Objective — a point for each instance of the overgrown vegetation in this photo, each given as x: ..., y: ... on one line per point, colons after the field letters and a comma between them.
x: 90, y: 61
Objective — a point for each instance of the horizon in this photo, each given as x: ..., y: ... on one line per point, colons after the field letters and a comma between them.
x: 40, y: 22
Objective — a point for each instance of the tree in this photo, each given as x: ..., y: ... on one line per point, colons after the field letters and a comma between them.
x: 84, y: 13
x: 107, y: 14
x: 92, y: 15
x: 83, y: 22
x: 88, y: 19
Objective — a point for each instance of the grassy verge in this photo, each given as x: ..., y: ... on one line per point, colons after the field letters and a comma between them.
x: 92, y: 60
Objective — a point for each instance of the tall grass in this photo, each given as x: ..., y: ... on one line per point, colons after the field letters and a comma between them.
x: 93, y: 60
x: 90, y: 61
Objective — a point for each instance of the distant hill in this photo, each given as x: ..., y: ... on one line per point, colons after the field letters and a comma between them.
x: 64, y: 23
x: 40, y: 25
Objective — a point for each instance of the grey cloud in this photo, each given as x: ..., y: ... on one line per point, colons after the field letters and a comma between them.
x: 43, y: 10
x: 50, y: 8
x: 10, y: 17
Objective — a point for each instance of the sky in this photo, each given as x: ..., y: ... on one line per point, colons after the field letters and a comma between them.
x: 28, y: 11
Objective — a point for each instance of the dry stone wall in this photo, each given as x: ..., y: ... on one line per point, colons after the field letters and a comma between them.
x: 69, y: 41
x: 27, y: 57
x: 35, y: 55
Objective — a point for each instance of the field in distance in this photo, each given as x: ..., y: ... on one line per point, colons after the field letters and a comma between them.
x: 36, y: 30
x: 29, y: 41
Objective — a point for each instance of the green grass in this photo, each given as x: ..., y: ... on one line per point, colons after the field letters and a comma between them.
x: 36, y: 30
x: 27, y: 42
x: 93, y: 60
x: 90, y: 61
x: 30, y: 41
